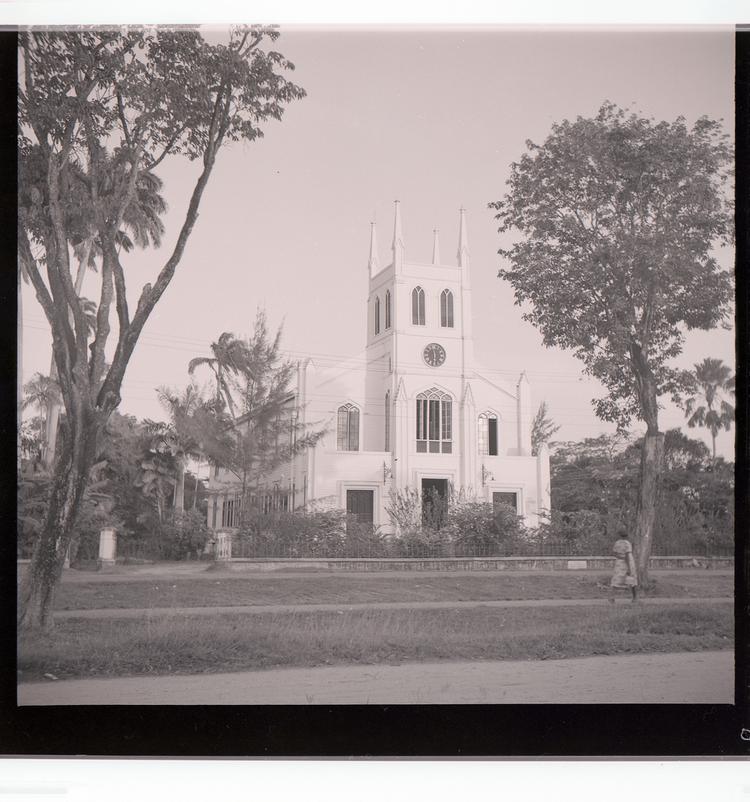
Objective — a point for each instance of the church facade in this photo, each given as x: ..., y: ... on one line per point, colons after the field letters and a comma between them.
x: 414, y: 410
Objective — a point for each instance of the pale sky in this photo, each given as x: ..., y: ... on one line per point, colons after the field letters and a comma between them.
x: 434, y: 118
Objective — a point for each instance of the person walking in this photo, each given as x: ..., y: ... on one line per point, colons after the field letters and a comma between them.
x: 624, y: 575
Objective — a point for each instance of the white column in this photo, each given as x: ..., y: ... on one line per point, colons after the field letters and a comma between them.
x: 401, y: 445
x: 524, y: 416
x: 107, y: 547
x: 468, y: 461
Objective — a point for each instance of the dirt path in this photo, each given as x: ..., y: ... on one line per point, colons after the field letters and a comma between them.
x: 264, y: 609
x: 677, y: 678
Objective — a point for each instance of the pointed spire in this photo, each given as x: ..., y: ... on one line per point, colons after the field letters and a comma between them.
x: 372, y: 262
x: 435, y: 248
x: 398, y: 238
x: 463, y: 240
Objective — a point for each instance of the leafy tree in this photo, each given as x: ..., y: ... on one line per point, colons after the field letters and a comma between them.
x: 98, y: 110
x: 543, y: 428
x: 265, y: 428
x: 618, y: 216
x: 713, y: 378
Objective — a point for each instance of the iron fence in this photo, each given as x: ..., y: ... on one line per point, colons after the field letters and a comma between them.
x: 250, y: 548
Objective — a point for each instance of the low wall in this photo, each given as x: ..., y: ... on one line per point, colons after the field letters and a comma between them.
x: 462, y: 563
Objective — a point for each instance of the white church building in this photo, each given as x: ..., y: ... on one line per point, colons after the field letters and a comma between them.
x: 414, y: 411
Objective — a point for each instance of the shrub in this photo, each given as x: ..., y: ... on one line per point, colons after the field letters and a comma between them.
x: 302, y: 534
x: 178, y: 536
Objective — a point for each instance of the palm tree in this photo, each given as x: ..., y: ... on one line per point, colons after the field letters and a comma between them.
x: 155, y: 479
x: 41, y: 392
x: 713, y: 379
x: 229, y: 356
x: 542, y: 429
x: 181, y: 437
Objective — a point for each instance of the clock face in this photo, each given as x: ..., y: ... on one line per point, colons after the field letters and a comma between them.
x: 434, y: 355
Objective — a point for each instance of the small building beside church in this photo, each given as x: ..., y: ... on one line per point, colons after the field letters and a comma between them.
x: 414, y: 410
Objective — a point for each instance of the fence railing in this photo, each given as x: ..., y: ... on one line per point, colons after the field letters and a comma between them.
x: 393, y: 548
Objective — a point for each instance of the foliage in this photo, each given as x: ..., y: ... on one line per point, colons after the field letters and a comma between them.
x: 595, y: 487
x: 478, y: 525
x: 180, y: 535
x: 263, y: 426
x: 99, y: 111
x: 456, y: 523
x: 543, y: 428
x: 618, y: 216
x: 32, y: 439
x: 309, y: 533
x: 40, y: 392
x: 404, y: 510
x: 712, y: 380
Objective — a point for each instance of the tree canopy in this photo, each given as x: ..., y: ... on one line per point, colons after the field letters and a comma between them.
x: 619, y: 216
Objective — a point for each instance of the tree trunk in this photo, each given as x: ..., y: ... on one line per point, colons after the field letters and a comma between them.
x: 652, y: 459
x: 51, y: 424
x: 179, y: 487
x: 39, y: 583
x: 19, y: 368
x: 53, y: 411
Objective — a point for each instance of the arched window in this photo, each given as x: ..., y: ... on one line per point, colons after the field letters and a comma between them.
x: 434, y: 422
x: 387, y: 309
x: 417, y: 306
x: 347, y: 430
x: 377, y: 314
x: 487, y: 434
x: 387, y: 420
x: 446, y: 309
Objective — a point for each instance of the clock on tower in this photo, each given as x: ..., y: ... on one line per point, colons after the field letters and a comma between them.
x: 434, y: 355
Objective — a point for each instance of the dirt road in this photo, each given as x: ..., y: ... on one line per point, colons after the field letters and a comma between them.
x: 685, y: 677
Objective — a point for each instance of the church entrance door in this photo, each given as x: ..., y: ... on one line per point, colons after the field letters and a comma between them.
x: 434, y: 502
x: 359, y: 504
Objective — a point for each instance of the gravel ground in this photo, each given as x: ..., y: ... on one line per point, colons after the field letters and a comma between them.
x: 675, y: 678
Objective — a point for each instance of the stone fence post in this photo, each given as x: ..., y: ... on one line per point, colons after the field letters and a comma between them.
x: 107, y: 547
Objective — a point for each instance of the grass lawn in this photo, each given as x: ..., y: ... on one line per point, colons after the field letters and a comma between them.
x: 177, y: 644
x: 210, y: 588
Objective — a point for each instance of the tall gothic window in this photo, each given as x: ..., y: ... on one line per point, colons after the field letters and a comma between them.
x: 417, y: 306
x: 446, y: 309
x: 377, y: 314
x: 387, y: 309
x: 387, y: 420
x: 347, y: 430
x: 434, y: 422
x: 487, y: 434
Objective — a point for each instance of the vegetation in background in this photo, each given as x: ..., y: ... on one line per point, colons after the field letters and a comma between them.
x: 714, y: 382
x: 595, y: 492
x: 543, y: 429
x: 262, y: 420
